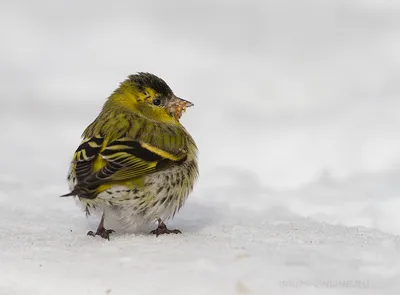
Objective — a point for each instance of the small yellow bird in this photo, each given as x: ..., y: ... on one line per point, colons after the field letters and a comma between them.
x: 136, y: 161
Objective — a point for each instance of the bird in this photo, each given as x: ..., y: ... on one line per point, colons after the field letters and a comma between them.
x: 136, y: 162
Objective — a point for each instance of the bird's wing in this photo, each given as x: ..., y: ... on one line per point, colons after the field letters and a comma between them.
x: 127, y: 158
x: 85, y: 155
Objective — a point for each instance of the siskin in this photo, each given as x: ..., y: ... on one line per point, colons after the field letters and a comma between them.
x: 136, y: 161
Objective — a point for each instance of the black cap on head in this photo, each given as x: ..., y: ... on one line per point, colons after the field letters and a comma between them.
x: 143, y: 80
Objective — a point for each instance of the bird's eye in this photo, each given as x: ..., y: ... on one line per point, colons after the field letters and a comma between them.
x: 157, y: 102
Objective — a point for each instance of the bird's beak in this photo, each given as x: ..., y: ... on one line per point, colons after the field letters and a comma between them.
x: 177, y: 106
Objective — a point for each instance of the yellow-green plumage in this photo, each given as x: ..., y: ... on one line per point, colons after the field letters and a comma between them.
x: 136, y: 161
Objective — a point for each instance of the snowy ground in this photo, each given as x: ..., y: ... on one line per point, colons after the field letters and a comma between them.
x: 230, y: 244
x: 296, y: 116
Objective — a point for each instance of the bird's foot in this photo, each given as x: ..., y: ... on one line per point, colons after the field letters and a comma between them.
x: 102, y: 232
x: 162, y: 229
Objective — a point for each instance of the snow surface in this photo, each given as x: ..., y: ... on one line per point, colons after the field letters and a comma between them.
x: 297, y: 124
x: 231, y: 244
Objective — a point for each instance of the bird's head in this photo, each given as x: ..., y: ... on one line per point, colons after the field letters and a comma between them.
x: 150, y: 96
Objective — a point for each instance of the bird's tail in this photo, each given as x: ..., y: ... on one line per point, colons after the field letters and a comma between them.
x: 80, y: 192
x: 70, y: 194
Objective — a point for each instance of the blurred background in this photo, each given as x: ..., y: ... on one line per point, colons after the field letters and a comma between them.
x: 297, y: 119
x: 285, y: 92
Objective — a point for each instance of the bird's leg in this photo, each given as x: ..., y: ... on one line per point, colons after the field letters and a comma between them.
x: 162, y: 229
x: 101, y: 231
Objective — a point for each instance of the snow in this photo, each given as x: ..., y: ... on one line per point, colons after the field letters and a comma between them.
x: 232, y: 243
x: 297, y: 125
x: 225, y: 248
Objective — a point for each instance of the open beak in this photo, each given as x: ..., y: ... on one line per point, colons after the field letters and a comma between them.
x: 177, y: 106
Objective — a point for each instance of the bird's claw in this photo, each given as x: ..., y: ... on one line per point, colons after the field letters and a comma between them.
x: 104, y: 233
x: 162, y: 229
x: 91, y: 233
